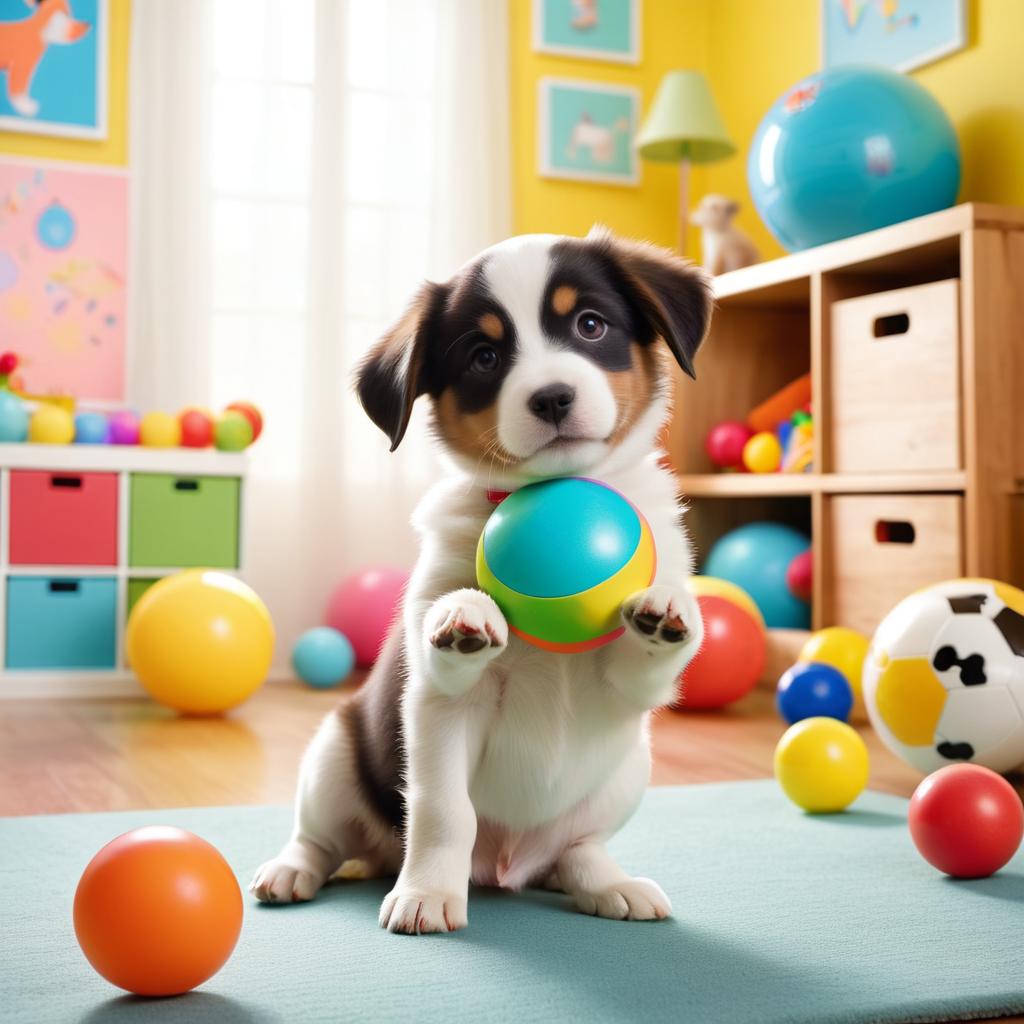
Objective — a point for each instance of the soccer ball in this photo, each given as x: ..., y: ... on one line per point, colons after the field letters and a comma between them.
x: 944, y: 677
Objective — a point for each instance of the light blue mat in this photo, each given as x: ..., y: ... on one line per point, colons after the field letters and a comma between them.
x: 779, y: 917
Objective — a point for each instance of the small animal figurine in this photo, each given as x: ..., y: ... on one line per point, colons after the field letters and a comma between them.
x: 725, y: 246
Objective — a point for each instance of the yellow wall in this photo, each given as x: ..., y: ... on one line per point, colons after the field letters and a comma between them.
x: 114, y: 148
x: 753, y: 51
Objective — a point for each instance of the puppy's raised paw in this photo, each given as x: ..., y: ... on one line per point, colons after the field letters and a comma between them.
x: 466, y: 622
x: 663, y: 616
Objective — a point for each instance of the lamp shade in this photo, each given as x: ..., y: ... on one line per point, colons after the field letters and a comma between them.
x: 683, y: 123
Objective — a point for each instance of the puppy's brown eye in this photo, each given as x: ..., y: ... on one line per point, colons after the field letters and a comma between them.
x: 590, y: 327
x: 484, y: 359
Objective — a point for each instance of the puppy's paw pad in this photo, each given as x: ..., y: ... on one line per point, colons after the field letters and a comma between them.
x: 467, y: 622
x: 661, y: 615
x: 277, y: 881
x: 419, y: 912
x: 635, y: 899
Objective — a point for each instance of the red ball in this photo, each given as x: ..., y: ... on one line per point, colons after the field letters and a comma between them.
x: 8, y: 363
x: 364, y: 605
x: 158, y: 911
x: 966, y: 820
x: 252, y: 414
x: 196, y: 428
x: 800, y: 575
x: 725, y: 443
x: 730, y: 660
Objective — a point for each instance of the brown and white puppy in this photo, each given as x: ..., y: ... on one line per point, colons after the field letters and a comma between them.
x: 468, y: 754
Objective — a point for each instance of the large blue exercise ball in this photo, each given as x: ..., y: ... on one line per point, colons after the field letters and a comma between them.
x: 756, y: 557
x: 848, y: 150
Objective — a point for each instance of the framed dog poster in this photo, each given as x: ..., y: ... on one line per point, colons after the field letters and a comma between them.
x: 53, y: 67
x: 592, y: 29
x: 586, y: 131
x: 901, y: 34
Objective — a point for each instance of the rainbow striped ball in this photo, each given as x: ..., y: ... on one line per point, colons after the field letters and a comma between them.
x: 559, y: 557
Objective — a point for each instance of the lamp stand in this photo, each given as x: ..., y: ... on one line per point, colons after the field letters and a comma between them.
x: 684, y: 203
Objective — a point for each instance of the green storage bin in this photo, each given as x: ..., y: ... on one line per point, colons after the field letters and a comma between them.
x: 183, y: 521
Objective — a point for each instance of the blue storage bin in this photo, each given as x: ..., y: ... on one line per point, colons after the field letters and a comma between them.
x: 59, y: 622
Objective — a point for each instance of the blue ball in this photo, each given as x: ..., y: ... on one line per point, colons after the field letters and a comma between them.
x: 91, y: 428
x: 813, y: 690
x: 13, y: 417
x: 848, y: 150
x: 756, y: 557
x: 323, y: 657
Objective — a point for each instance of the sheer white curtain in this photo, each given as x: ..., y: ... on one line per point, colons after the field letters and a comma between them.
x: 299, y: 166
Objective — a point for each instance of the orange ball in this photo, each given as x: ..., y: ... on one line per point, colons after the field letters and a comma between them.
x: 158, y: 911
x: 252, y: 414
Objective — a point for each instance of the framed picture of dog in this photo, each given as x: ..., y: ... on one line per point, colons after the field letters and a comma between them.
x: 586, y: 131
x: 591, y: 29
x: 55, y: 56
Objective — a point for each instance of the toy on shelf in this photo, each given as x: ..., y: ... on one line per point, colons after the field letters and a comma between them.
x: 232, y: 432
x: 724, y: 246
x: 50, y: 424
x: 91, y: 428
x: 200, y: 641
x: 159, y: 430
x: 364, y: 605
x: 782, y: 405
x: 323, y: 657
x: 158, y: 911
x: 966, y: 820
x: 196, y: 427
x: 813, y: 690
x: 757, y: 557
x: 762, y: 453
x: 942, y: 680
x: 821, y: 765
x: 14, y: 418
x: 850, y: 149
x: 725, y: 443
x: 124, y: 428
x: 252, y: 414
x: 559, y: 557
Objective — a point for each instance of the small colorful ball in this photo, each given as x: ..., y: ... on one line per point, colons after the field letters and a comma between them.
x: 159, y: 430
x: 842, y: 648
x: 8, y: 363
x: 51, y: 424
x: 232, y: 432
x: 813, y: 690
x: 158, y: 911
x: 252, y: 414
x: 559, y: 557
x: 730, y: 660
x: 712, y: 586
x: 196, y: 428
x: 800, y: 575
x: 762, y: 453
x: 91, y: 428
x: 323, y: 657
x: 725, y: 441
x: 364, y: 605
x: 124, y: 428
x: 966, y: 820
x: 821, y: 765
x: 13, y: 418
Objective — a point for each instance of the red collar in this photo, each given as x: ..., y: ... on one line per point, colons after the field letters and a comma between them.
x: 496, y: 497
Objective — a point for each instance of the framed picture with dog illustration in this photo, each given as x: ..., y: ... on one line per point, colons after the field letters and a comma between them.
x: 586, y: 131
x: 55, y: 56
x: 589, y: 29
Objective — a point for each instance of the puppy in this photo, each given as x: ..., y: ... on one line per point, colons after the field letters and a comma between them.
x: 469, y: 754
x: 724, y: 246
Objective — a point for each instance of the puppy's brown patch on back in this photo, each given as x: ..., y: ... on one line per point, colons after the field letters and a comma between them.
x: 491, y: 325
x: 563, y: 299
x: 474, y: 434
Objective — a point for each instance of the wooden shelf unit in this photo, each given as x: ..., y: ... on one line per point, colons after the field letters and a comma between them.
x: 774, y: 321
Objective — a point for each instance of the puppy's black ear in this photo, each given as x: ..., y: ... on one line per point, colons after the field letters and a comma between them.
x: 672, y: 295
x: 391, y: 376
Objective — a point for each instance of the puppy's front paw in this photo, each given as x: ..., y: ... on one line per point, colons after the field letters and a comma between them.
x: 466, y: 622
x: 635, y: 899
x: 663, y: 616
x: 282, y: 881
x: 419, y: 912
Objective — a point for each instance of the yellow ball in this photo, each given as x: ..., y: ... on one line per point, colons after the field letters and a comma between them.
x: 844, y: 649
x: 200, y: 641
x: 821, y: 765
x: 762, y: 453
x: 159, y: 430
x: 50, y: 424
x: 712, y: 586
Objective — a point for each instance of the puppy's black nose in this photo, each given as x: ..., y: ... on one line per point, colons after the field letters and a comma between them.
x: 552, y: 403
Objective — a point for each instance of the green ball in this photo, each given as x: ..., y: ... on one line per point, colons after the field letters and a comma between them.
x: 232, y: 432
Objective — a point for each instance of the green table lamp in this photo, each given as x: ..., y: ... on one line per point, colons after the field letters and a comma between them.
x: 683, y: 126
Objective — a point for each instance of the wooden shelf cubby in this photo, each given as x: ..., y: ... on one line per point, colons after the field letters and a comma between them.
x: 944, y: 384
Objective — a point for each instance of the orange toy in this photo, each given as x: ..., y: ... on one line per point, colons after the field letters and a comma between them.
x: 158, y: 911
x: 252, y: 414
x: 780, y: 406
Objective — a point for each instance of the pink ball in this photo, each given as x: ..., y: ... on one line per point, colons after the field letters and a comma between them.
x: 124, y: 428
x: 800, y: 575
x: 725, y: 443
x: 364, y: 605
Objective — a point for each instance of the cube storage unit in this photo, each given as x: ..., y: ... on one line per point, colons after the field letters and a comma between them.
x: 84, y: 531
x: 914, y: 339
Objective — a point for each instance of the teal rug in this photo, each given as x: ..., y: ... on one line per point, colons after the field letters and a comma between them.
x: 779, y: 917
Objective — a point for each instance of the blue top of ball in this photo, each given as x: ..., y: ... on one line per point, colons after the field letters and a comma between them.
x: 560, y: 537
